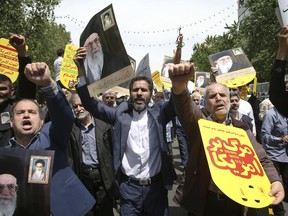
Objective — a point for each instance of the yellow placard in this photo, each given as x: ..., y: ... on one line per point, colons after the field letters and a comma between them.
x: 234, y: 165
x: 237, y: 78
x: 69, y: 71
x: 8, y: 60
x: 156, y: 79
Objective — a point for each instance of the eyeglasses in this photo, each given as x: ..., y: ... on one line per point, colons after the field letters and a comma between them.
x: 11, y: 187
x: 109, y: 97
x: 96, y: 41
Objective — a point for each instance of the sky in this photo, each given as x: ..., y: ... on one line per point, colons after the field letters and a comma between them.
x: 151, y: 26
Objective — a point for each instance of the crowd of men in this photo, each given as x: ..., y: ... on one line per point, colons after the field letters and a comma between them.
x: 117, y: 154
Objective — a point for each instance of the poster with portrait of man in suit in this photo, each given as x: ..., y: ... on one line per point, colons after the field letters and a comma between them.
x: 18, y: 195
x: 107, y: 63
x: 232, y: 67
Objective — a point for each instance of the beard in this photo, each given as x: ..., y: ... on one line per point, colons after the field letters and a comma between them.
x: 93, y: 65
x: 82, y: 116
x: 200, y: 83
x: 224, y: 68
x: 140, y: 107
x: 8, y: 206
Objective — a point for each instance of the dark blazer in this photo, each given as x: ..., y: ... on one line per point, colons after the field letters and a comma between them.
x: 121, y: 118
x: 68, y: 196
x: 277, y: 88
x: 193, y: 190
x: 104, y: 141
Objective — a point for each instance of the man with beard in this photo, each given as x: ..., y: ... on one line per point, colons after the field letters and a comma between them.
x: 142, y: 161
x: 224, y: 64
x: 8, y: 194
x: 90, y: 149
x: 94, y: 59
x: 109, y: 98
x: 39, y: 173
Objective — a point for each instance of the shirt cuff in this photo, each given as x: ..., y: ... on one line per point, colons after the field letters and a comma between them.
x: 81, y: 81
x: 51, y: 90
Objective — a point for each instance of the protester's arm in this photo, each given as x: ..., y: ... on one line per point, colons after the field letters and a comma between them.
x: 59, y: 109
x: 92, y: 105
x: 180, y: 74
x: 25, y: 88
x: 186, y: 110
x: 277, y: 88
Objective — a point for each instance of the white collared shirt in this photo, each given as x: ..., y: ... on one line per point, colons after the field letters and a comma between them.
x: 142, y: 158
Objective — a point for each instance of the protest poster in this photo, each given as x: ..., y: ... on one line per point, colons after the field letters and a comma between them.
x: 282, y: 12
x: 31, y: 171
x: 8, y: 60
x: 69, y: 71
x: 233, y: 67
x: 230, y: 153
x: 107, y: 63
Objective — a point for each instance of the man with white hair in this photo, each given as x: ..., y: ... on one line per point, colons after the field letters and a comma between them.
x: 94, y: 59
x: 8, y: 194
x: 224, y: 64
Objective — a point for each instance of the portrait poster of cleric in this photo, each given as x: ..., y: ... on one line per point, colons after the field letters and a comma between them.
x: 232, y: 67
x: 106, y: 63
x: 18, y: 195
x: 202, y: 79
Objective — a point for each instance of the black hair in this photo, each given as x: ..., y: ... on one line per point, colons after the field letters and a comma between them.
x: 138, y: 78
x: 27, y: 99
x: 4, y: 78
x: 40, y: 161
x: 60, y: 52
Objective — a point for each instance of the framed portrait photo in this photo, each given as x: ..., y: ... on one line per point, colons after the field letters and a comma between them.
x: 107, y: 19
x: 39, y: 169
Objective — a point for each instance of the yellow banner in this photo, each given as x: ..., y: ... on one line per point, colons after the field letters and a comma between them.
x: 69, y: 71
x: 234, y: 165
x: 156, y: 79
x: 8, y: 60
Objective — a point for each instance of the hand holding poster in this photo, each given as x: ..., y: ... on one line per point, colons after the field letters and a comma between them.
x: 232, y: 67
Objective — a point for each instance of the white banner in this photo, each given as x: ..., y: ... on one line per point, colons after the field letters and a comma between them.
x: 283, y: 10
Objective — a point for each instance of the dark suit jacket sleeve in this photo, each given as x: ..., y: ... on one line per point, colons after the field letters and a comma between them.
x: 25, y: 89
x: 61, y: 119
x: 95, y: 107
x: 277, y: 92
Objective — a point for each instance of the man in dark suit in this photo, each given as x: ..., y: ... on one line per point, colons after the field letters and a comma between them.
x: 90, y: 149
x: 142, y: 161
x: 68, y: 196
x: 278, y: 93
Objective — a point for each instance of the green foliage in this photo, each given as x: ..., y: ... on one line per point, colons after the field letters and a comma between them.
x: 35, y: 20
x: 256, y: 35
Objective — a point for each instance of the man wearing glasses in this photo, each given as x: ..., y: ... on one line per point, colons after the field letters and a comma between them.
x: 8, y: 194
